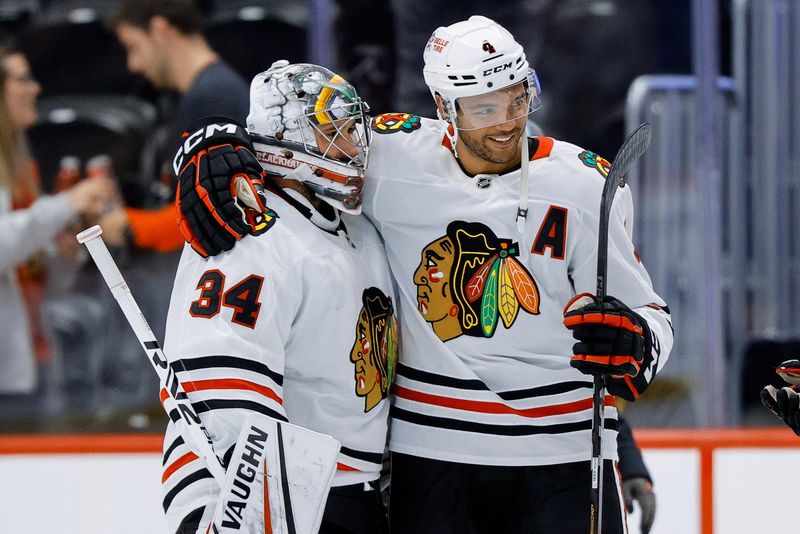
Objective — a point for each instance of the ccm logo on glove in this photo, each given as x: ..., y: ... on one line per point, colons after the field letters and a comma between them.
x: 194, y: 139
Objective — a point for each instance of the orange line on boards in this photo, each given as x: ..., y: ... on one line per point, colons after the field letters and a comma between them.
x: 773, y: 437
x: 680, y: 438
x: 79, y: 443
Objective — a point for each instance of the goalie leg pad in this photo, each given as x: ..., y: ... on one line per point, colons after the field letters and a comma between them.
x: 278, y: 479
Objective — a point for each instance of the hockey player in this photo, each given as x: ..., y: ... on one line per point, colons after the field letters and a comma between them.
x: 298, y: 321
x: 492, y: 239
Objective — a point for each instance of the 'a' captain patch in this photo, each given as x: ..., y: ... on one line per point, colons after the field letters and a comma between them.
x: 396, y: 122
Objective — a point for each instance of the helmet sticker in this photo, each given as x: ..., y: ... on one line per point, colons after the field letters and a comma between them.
x: 437, y: 44
x: 590, y: 159
x: 396, y: 122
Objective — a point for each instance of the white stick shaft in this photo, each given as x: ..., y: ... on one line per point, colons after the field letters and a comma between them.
x: 176, y: 400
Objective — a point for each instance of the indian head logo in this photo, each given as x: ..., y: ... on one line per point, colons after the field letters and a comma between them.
x: 374, y: 351
x: 469, y: 278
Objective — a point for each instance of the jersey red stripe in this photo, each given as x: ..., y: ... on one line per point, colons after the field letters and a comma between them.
x: 232, y: 383
x: 344, y: 467
x: 497, y: 407
x: 177, y: 464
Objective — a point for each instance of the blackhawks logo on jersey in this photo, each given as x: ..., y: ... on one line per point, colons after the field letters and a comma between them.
x: 261, y: 222
x: 396, y: 122
x: 374, y: 351
x: 469, y: 278
x: 590, y: 159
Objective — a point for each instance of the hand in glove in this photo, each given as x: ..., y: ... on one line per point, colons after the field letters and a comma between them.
x: 785, y: 402
x: 613, y: 341
x: 220, y: 195
x: 640, y: 489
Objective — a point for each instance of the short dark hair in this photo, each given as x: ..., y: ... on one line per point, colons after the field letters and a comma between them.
x: 185, y: 15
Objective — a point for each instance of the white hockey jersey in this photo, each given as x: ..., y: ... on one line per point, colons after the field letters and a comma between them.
x: 484, y: 374
x: 296, y: 323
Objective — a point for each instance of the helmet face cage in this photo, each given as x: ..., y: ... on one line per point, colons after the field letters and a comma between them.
x: 333, y: 123
x: 309, y: 124
x: 337, y: 134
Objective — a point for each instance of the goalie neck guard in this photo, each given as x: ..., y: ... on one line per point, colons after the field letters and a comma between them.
x: 309, y: 124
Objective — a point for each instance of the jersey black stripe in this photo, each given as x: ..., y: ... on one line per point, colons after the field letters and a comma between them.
x: 209, y: 362
x: 191, y: 522
x: 475, y: 384
x: 180, y: 486
x: 174, y: 415
x: 541, y: 391
x: 287, y: 496
x: 373, y: 457
x: 175, y: 444
x: 499, y: 430
x: 439, y: 380
x: 225, y: 404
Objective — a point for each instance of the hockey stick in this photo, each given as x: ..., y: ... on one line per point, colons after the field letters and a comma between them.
x: 175, y: 401
x: 317, y: 454
x: 631, y: 150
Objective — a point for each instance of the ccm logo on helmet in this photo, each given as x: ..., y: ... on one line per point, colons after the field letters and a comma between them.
x: 196, y: 138
x: 499, y: 68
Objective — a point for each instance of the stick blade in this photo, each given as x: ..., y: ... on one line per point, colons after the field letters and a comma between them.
x: 635, y: 145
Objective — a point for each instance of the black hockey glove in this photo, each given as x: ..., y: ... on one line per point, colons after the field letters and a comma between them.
x: 220, y: 185
x: 640, y: 489
x: 785, y: 402
x: 615, y: 342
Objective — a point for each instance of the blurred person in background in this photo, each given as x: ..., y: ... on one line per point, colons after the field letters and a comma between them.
x: 164, y: 43
x: 31, y: 225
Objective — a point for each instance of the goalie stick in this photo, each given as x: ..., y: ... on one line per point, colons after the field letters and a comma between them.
x: 631, y: 150
x: 173, y: 396
x: 298, y: 494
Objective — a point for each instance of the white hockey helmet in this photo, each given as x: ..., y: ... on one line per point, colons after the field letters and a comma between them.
x: 309, y: 124
x: 478, y: 57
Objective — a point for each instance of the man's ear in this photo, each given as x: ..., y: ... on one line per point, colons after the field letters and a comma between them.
x: 441, y: 108
x: 160, y: 27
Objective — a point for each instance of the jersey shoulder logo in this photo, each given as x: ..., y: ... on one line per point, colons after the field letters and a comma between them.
x: 396, y: 122
x: 261, y: 222
x: 374, y: 351
x: 469, y: 278
x: 590, y: 159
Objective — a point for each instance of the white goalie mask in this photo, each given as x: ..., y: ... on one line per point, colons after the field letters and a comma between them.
x: 309, y: 124
x: 481, y: 74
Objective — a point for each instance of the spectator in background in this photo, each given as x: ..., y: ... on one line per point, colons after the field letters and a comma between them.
x: 30, y: 224
x: 164, y: 43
